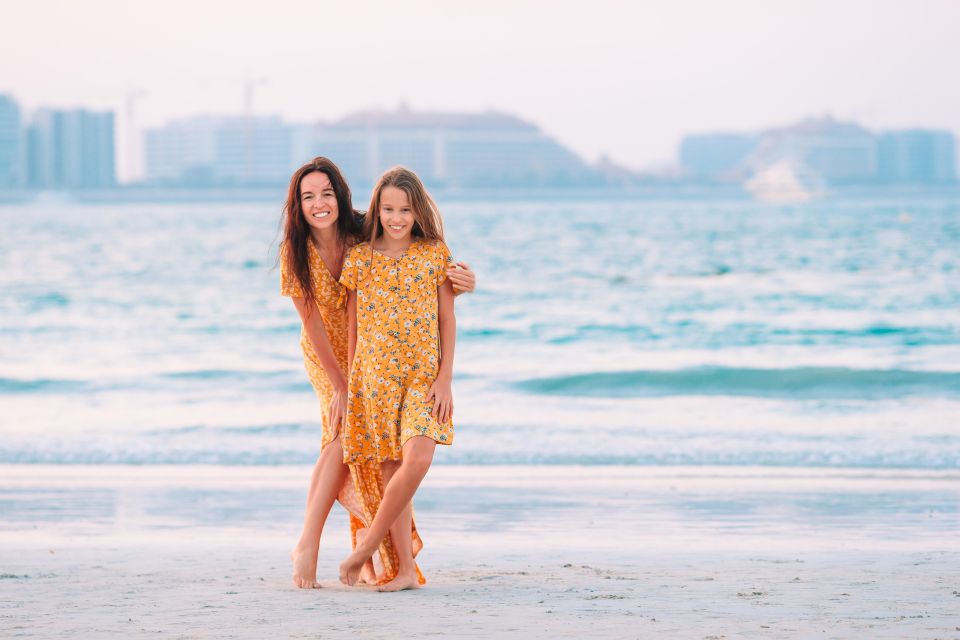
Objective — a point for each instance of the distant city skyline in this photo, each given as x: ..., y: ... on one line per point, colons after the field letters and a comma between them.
x: 51, y: 149
x: 604, y: 79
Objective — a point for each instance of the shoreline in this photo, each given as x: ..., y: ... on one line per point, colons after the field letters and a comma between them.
x: 581, y: 509
x: 13, y: 472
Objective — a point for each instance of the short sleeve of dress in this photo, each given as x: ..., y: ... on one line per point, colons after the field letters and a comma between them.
x: 349, y: 276
x: 289, y: 285
x: 443, y: 261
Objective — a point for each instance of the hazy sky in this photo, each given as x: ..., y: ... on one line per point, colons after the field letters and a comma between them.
x: 626, y: 79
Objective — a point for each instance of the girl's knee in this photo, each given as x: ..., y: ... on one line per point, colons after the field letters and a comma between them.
x: 418, y: 453
x: 419, y: 461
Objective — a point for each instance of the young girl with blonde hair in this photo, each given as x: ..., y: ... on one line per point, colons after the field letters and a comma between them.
x: 401, y: 344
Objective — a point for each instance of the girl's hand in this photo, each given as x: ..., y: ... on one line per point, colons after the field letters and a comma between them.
x: 464, y: 280
x: 442, y: 397
x: 338, y: 410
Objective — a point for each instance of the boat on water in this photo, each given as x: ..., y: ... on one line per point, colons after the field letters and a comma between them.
x: 785, y: 182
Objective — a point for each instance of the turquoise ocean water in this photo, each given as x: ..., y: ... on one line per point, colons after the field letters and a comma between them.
x: 603, y: 332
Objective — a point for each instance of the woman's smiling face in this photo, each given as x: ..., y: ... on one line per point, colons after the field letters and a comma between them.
x: 318, y: 201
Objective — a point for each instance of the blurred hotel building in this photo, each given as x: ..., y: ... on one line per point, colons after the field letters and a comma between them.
x: 715, y: 155
x: 451, y: 149
x: 839, y: 152
x: 444, y: 149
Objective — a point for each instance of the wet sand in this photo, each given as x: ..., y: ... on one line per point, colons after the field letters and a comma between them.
x: 552, y: 552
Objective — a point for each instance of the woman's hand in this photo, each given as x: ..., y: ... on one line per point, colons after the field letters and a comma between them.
x: 338, y: 409
x: 442, y: 396
x: 463, y: 279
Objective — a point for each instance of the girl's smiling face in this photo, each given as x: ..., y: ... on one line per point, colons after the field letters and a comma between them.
x: 396, y: 214
x: 318, y: 201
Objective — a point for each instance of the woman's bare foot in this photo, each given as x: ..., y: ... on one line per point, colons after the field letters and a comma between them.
x: 350, y: 569
x: 404, y: 580
x: 305, y: 567
x: 368, y: 575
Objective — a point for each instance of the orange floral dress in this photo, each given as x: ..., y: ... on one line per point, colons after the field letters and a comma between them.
x: 397, y: 355
x: 362, y: 492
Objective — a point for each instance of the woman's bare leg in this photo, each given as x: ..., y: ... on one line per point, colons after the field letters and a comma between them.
x: 398, y: 492
x: 328, y: 477
x: 368, y: 574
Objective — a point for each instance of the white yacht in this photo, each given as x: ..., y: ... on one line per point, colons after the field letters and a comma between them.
x: 785, y: 182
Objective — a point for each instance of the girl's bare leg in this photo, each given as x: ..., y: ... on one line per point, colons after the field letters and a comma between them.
x: 404, y: 482
x: 328, y: 477
x: 407, y: 577
x: 400, y: 534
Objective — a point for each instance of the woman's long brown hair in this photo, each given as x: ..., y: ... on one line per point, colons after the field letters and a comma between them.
x: 296, y: 231
x: 427, y: 223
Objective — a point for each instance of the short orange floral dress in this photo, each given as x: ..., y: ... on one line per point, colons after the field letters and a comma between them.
x: 397, y: 356
x: 361, y: 494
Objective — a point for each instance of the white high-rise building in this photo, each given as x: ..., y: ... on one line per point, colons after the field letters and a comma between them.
x: 917, y: 156
x: 71, y: 149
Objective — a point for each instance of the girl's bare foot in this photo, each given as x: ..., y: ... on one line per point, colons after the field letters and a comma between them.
x: 350, y: 569
x: 404, y: 580
x: 305, y: 567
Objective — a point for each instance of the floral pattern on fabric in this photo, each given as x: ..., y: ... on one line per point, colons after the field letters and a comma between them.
x: 362, y: 493
x: 398, y: 349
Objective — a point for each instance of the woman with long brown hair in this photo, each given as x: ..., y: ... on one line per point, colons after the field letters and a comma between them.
x: 320, y: 225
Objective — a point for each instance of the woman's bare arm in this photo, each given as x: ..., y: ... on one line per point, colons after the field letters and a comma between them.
x: 317, y: 334
x: 464, y: 280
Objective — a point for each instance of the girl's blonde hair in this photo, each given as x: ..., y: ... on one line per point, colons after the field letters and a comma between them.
x: 427, y: 223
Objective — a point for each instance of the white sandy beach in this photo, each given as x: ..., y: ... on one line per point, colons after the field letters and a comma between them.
x: 552, y: 552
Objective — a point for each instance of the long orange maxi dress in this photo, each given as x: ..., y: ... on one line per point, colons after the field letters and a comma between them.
x: 363, y: 490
